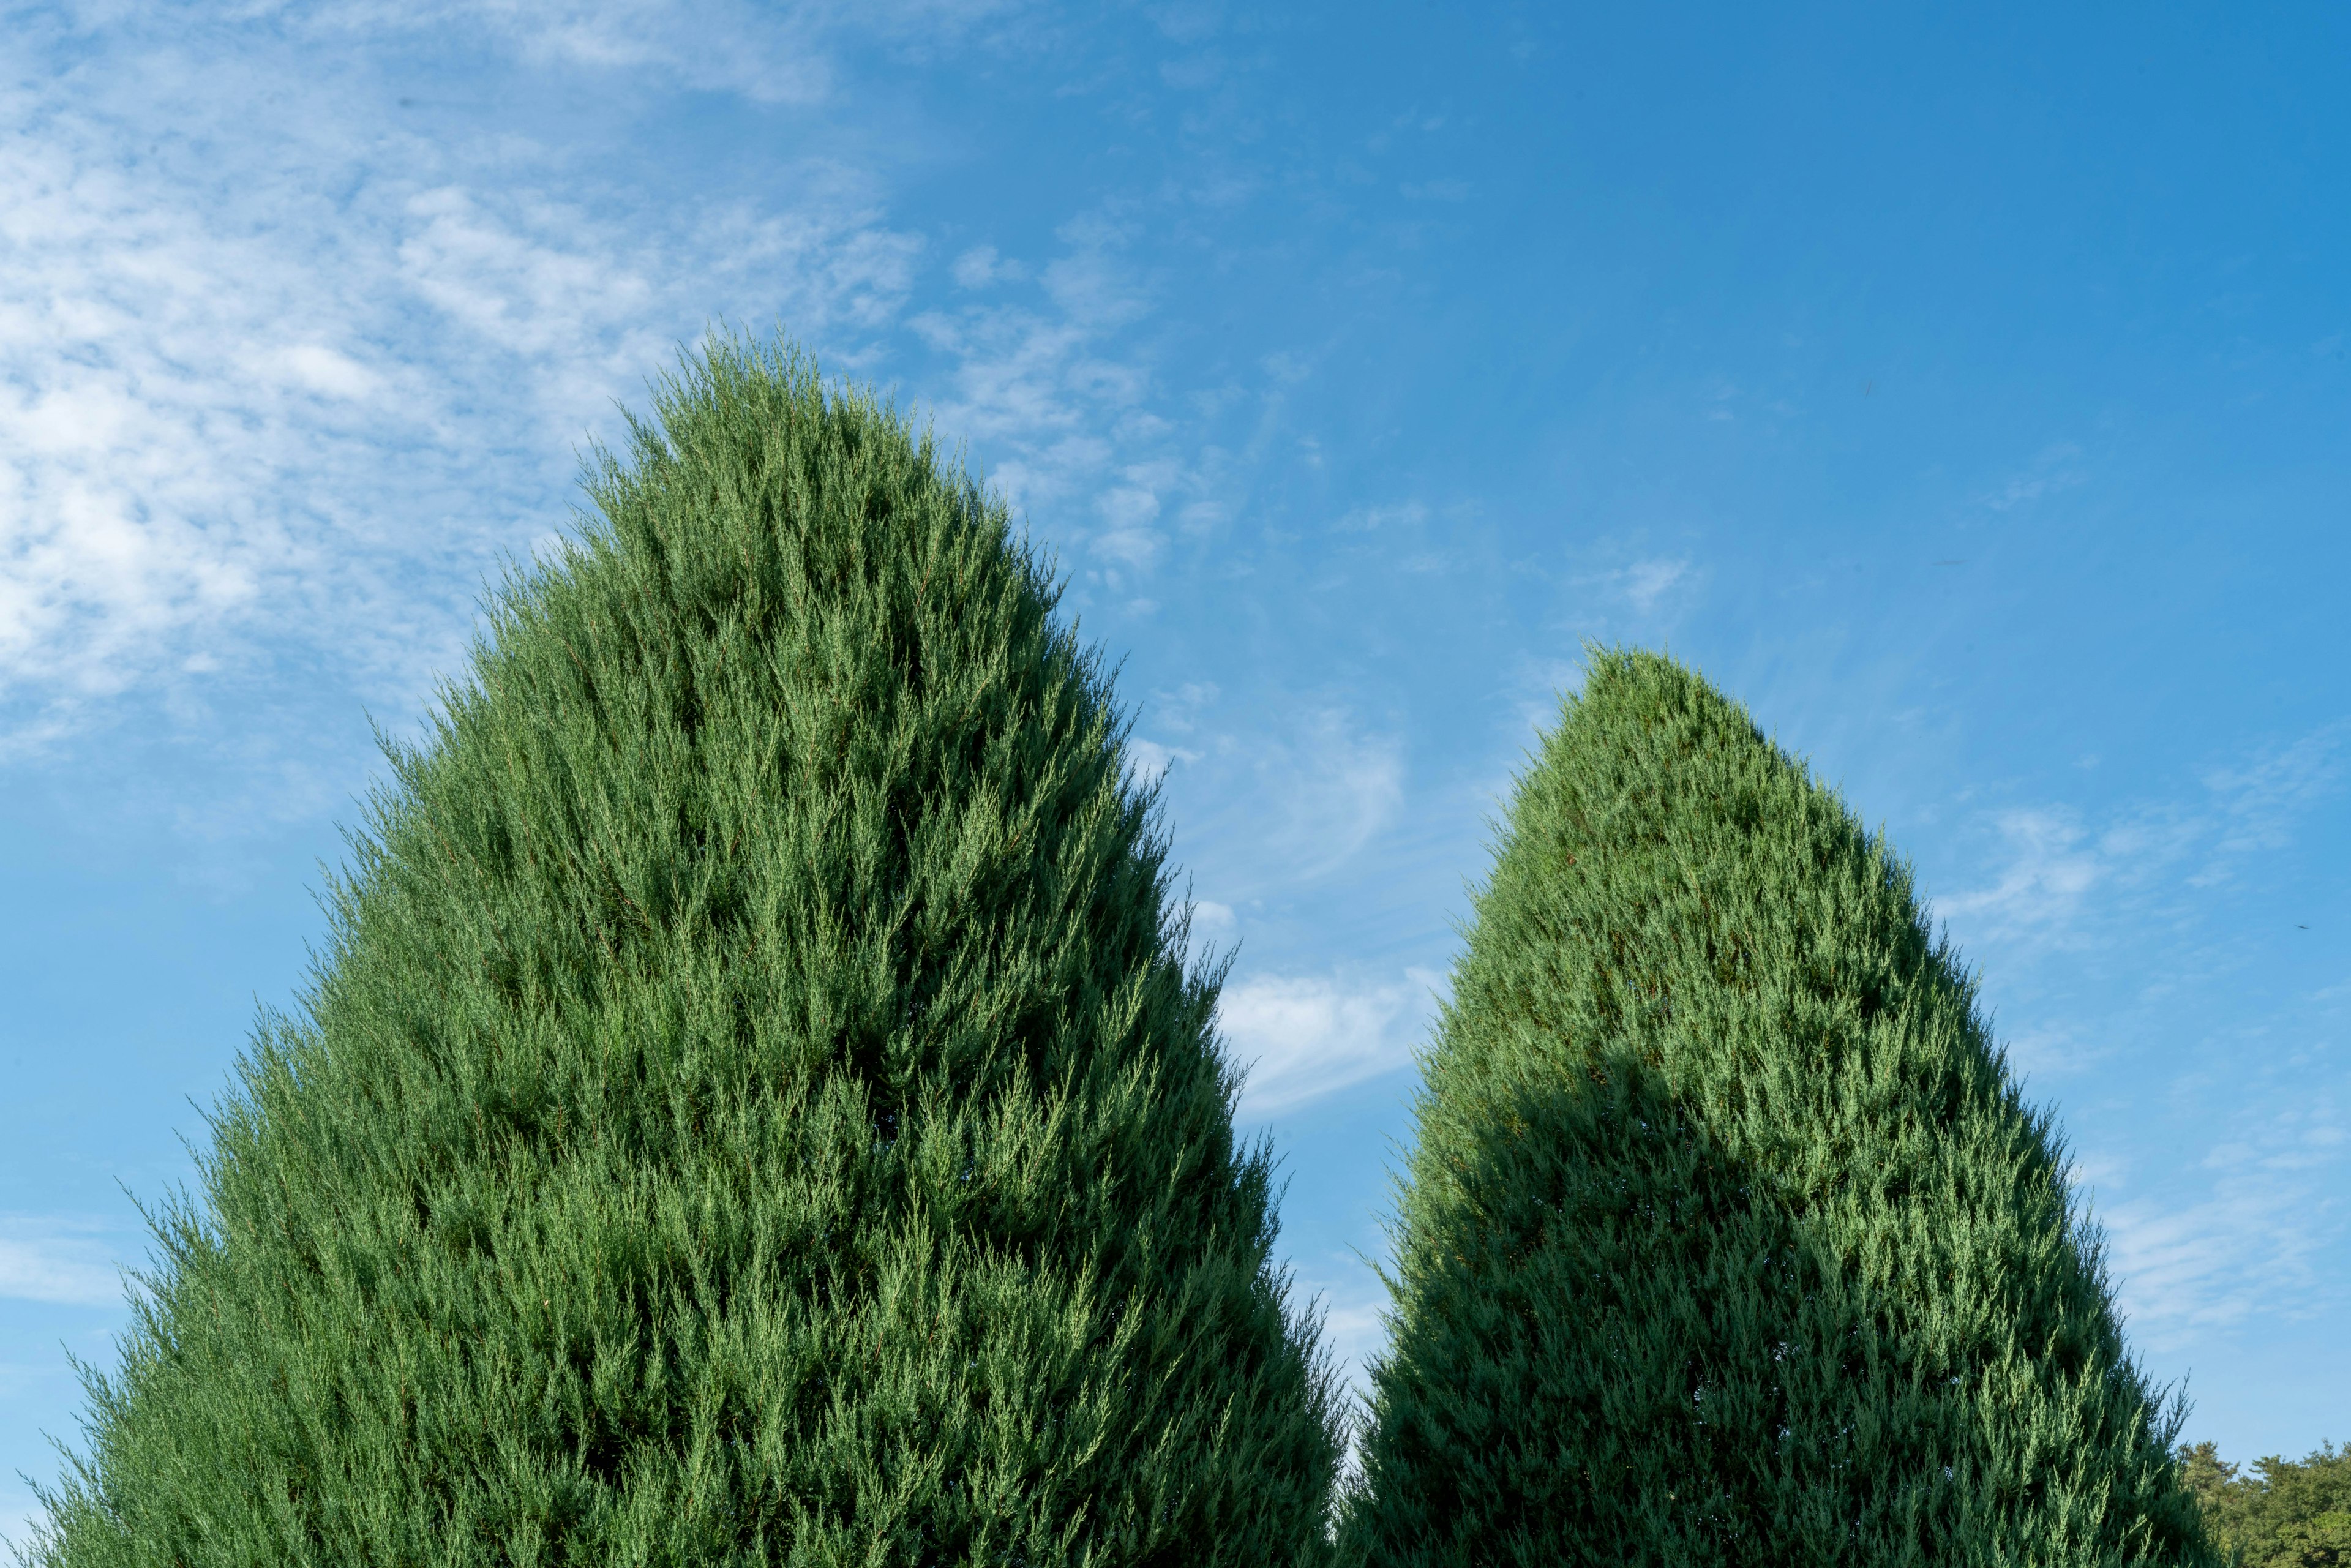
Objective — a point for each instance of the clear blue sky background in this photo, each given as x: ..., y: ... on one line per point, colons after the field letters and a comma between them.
x: 1965, y: 391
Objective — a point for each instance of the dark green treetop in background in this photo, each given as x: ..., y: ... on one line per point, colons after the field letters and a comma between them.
x: 754, y: 1106
x: 1728, y: 1237
x: 2286, y: 1513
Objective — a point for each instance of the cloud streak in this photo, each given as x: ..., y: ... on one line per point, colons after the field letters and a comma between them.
x: 2247, y: 1247
x: 55, y: 1259
x: 768, y: 53
x: 1331, y: 790
x: 2065, y: 880
x: 282, y: 381
x: 2238, y: 1225
x: 1302, y: 1037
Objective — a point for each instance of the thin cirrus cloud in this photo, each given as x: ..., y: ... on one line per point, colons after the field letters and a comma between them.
x: 2052, y: 865
x: 982, y: 267
x: 290, y: 379
x: 1289, y: 798
x: 123, y: 518
x: 56, y: 1260
x: 776, y: 53
x: 1648, y: 581
x: 2064, y: 880
x: 1149, y: 760
x: 2248, y: 1245
x: 2233, y: 1227
x: 1301, y: 1037
x: 1069, y: 414
x: 1337, y: 788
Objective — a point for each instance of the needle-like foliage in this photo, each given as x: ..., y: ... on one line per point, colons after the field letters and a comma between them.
x: 1727, y: 1238
x: 755, y: 1106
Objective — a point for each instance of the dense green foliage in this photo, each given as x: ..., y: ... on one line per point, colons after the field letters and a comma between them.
x: 754, y: 1106
x: 1727, y: 1238
x: 2287, y: 1513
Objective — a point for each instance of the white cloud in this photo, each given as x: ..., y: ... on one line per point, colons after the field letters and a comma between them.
x: 981, y: 267
x: 584, y: 309
x: 1332, y: 790
x: 1646, y: 581
x: 2261, y: 800
x: 1214, y: 921
x: 325, y: 370
x: 1286, y: 367
x: 1127, y: 536
x: 1371, y: 519
x: 2248, y: 1245
x: 521, y: 293
x: 135, y: 352
x: 2049, y: 871
x: 1147, y: 761
x: 1062, y: 413
x: 2051, y: 1051
x: 1303, y: 1037
x: 271, y: 378
x: 2061, y: 879
x: 50, y: 1259
x: 1180, y: 710
x: 769, y: 53
x: 2238, y: 1223
x: 2051, y: 470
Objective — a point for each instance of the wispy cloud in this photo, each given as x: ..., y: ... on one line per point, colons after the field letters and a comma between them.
x: 1328, y: 790
x: 578, y: 305
x: 1065, y: 406
x: 981, y: 267
x: 2259, y: 800
x: 780, y: 53
x: 285, y: 380
x: 2248, y: 1248
x: 1148, y: 761
x: 1648, y: 581
x: 2053, y: 468
x: 47, y: 1258
x: 1213, y: 922
x: 1303, y: 1037
x: 2237, y: 1224
x: 2063, y: 879
x: 1371, y: 519
x: 2053, y: 1050
x: 2052, y: 866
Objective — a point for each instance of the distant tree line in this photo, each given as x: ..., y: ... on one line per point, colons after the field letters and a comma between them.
x: 2282, y: 1513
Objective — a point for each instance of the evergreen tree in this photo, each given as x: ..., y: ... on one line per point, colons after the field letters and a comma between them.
x: 2286, y: 1513
x: 1727, y: 1238
x: 755, y: 1105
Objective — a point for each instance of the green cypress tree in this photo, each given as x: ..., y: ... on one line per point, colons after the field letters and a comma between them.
x: 1727, y: 1238
x: 755, y: 1105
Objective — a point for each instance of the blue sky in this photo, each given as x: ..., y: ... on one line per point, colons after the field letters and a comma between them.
x: 1966, y: 393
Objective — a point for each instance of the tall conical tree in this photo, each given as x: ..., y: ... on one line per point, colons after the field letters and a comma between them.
x: 755, y: 1106
x: 1727, y: 1238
